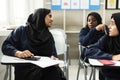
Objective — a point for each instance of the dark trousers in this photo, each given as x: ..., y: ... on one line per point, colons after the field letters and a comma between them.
x: 37, y: 73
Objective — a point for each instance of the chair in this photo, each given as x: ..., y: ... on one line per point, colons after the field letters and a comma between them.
x: 60, y: 37
x: 83, y: 64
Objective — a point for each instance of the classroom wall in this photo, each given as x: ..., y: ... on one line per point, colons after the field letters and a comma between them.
x: 74, y: 20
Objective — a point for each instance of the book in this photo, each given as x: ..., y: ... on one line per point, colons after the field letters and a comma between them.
x: 106, y: 62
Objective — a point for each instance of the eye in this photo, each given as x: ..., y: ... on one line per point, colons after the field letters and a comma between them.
x: 50, y: 15
x: 112, y: 23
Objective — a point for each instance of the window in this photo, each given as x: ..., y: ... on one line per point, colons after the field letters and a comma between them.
x: 3, y: 12
x: 15, y: 12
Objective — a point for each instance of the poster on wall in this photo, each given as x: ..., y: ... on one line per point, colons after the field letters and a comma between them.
x: 118, y: 4
x: 84, y: 4
x: 65, y: 4
x: 56, y: 4
x: 111, y: 4
x: 75, y: 4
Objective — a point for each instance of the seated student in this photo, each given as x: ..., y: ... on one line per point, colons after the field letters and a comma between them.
x: 108, y: 47
x: 31, y: 40
x: 91, y: 32
x: 93, y: 29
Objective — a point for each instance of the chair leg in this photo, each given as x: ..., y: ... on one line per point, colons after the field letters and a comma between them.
x: 10, y: 72
x: 85, y: 72
x: 78, y: 72
x: 93, y: 74
x: 67, y: 72
x: 90, y: 78
x: 80, y: 66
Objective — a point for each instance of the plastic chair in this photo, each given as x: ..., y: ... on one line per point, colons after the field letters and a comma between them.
x: 84, y: 65
x: 60, y: 37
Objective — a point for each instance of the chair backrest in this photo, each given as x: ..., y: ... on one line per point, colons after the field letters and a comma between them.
x: 82, y: 52
x: 59, y: 36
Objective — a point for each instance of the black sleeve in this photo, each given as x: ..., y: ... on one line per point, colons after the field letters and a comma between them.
x: 11, y: 42
x: 96, y: 50
x: 86, y: 36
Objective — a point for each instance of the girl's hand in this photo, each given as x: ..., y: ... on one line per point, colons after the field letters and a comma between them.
x: 54, y: 58
x: 24, y: 54
x: 116, y: 57
x: 100, y: 27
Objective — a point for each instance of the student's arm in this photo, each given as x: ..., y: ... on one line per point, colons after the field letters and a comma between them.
x: 54, y: 51
x: 11, y: 42
x: 96, y: 50
x: 86, y: 37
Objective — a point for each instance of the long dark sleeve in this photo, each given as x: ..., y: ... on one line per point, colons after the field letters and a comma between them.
x: 87, y: 37
x: 10, y: 44
x: 97, y: 50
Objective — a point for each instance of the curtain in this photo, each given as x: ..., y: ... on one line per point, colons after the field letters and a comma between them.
x: 15, y: 12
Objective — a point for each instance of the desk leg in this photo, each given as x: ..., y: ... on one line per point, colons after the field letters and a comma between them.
x: 8, y: 73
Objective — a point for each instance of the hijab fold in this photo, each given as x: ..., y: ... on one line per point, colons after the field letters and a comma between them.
x: 38, y: 34
x: 114, y: 45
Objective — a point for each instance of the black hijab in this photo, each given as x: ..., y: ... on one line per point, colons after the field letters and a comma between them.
x: 38, y: 34
x: 97, y: 17
x: 114, y: 42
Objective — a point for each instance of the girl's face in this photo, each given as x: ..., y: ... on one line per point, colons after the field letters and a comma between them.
x: 48, y: 20
x: 92, y: 22
x: 113, y: 31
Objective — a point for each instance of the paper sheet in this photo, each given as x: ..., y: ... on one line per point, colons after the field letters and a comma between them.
x: 43, y: 62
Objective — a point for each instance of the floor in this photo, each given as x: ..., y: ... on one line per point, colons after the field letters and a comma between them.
x: 73, y: 68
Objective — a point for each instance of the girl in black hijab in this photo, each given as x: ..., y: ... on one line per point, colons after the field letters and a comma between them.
x: 38, y: 34
x: 93, y: 29
x: 108, y: 47
x: 31, y: 40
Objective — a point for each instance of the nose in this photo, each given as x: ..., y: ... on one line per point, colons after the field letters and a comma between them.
x: 51, y: 19
x: 109, y: 26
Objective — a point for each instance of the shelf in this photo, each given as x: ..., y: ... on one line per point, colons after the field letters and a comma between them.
x: 5, y: 32
x: 72, y: 31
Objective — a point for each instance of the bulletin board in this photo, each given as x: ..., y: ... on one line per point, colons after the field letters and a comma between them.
x: 75, y: 4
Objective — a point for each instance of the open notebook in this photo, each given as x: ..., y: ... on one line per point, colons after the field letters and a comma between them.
x: 42, y: 62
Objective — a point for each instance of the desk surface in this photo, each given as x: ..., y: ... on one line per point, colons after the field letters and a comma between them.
x: 42, y: 62
x: 95, y: 62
